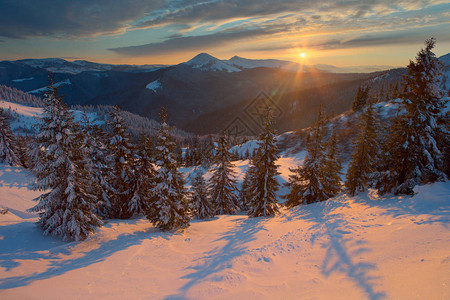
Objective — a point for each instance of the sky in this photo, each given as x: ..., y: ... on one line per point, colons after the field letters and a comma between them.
x: 340, y: 33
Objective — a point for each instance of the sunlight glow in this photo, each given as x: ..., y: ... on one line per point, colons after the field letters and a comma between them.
x: 302, y: 55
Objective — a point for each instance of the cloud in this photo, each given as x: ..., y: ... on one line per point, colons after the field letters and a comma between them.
x: 401, y: 37
x: 70, y: 19
x: 86, y: 18
x: 183, y: 43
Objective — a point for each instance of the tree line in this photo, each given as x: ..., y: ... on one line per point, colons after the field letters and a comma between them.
x: 88, y: 175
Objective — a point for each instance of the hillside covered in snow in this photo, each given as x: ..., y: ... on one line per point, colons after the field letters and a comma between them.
x: 363, y: 247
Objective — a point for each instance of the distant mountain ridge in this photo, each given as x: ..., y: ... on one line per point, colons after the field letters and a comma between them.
x: 202, y: 95
x: 202, y: 61
x: 59, y: 65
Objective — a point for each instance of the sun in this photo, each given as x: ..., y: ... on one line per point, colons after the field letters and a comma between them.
x: 303, y: 55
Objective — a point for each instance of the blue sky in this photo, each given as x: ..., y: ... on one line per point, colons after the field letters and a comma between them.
x: 342, y: 33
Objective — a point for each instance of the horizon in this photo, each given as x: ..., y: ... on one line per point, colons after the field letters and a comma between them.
x: 222, y: 59
x: 343, y: 34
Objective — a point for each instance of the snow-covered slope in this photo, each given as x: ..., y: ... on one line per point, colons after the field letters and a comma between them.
x: 245, y: 63
x: 25, y: 118
x: 445, y: 59
x: 59, y: 65
x: 154, y: 86
x: 45, y: 88
x: 362, y: 247
x: 206, y: 62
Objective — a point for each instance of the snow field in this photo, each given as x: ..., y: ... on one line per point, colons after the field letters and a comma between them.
x: 362, y: 247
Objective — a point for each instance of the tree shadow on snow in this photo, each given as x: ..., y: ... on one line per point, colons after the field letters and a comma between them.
x: 21, y: 243
x: 342, y: 250
x: 220, y: 259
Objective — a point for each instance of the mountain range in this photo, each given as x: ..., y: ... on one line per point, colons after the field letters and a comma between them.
x: 204, y: 94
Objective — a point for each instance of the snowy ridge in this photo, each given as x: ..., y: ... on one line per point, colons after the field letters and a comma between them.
x: 44, y: 89
x: 245, y: 63
x: 25, y: 118
x: 59, y: 65
x: 207, y: 62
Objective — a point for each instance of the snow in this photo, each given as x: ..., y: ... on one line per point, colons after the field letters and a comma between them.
x: 206, y: 62
x: 245, y: 63
x: 22, y: 79
x: 26, y: 117
x: 23, y: 110
x: 154, y: 86
x: 44, y: 89
x: 242, y: 149
x: 345, y: 248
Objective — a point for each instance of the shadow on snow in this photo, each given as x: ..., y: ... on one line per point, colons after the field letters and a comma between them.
x: 217, y: 259
x: 20, y: 243
x: 342, y: 250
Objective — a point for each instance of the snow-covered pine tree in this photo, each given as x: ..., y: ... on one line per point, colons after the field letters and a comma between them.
x: 95, y: 140
x: 244, y: 193
x: 169, y: 207
x: 66, y: 209
x: 417, y: 139
x: 201, y: 206
x: 310, y: 183
x: 122, y: 179
x: 365, y: 154
x: 361, y: 98
x: 145, y: 172
x: 222, y: 184
x: 9, y: 148
x: 263, y: 184
x: 333, y: 165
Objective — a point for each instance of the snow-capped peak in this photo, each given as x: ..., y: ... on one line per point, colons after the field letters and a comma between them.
x: 207, y: 62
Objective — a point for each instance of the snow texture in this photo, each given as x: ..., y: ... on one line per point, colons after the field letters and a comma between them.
x: 206, y: 62
x: 154, y: 86
x: 363, y: 247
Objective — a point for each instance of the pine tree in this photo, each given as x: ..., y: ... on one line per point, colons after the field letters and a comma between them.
x: 66, y: 208
x: 99, y: 167
x: 9, y: 148
x: 310, y: 182
x: 168, y: 208
x: 201, y: 206
x: 145, y: 172
x: 365, y: 154
x: 333, y: 165
x: 263, y: 184
x: 361, y: 98
x: 122, y: 166
x: 417, y: 139
x: 244, y: 192
x: 222, y: 184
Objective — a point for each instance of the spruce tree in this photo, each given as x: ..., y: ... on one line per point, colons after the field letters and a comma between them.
x: 333, y: 165
x: 122, y: 177
x: 95, y: 141
x: 9, y: 148
x: 201, y: 206
x: 144, y: 174
x: 244, y: 192
x: 361, y: 98
x: 263, y: 184
x: 222, y: 184
x: 66, y: 209
x: 169, y: 207
x: 310, y: 182
x: 416, y: 143
x: 364, y: 159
